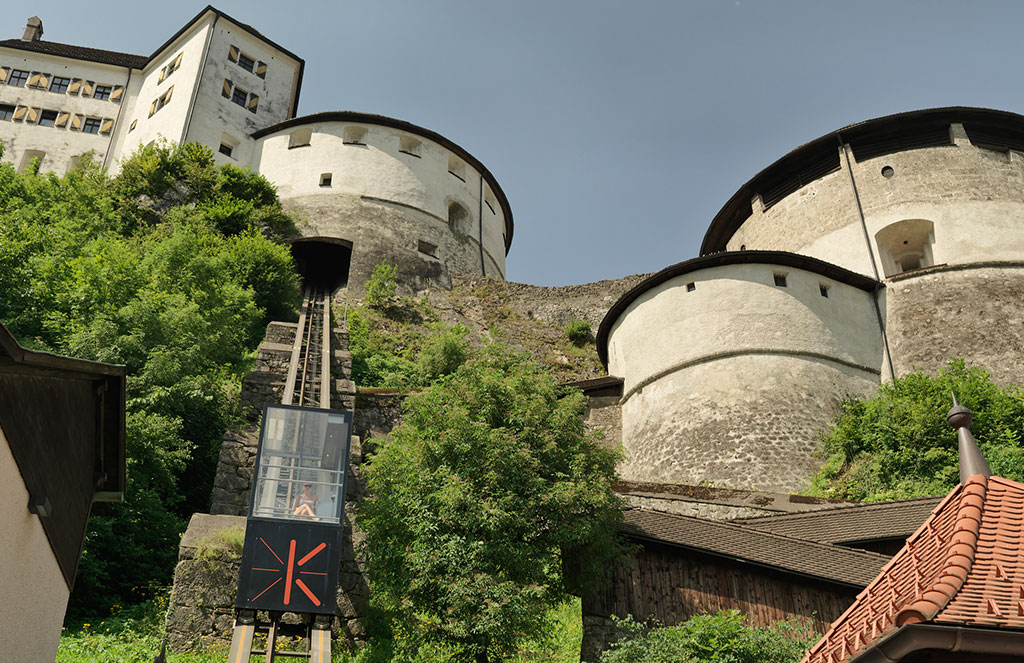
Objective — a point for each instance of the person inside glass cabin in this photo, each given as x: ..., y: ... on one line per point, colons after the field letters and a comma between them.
x: 305, y: 502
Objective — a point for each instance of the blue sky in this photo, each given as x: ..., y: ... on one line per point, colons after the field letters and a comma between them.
x: 617, y: 129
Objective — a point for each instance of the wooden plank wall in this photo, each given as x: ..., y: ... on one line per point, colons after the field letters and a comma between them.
x: 671, y: 585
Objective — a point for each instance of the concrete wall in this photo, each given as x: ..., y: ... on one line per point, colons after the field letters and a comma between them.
x: 33, y: 587
x: 731, y: 382
x: 59, y: 144
x: 386, y: 201
x: 945, y: 185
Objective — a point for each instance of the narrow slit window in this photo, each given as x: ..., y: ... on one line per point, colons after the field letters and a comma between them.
x: 691, y: 286
x: 456, y: 167
x: 427, y: 248
x: 823, y: 289
x: 780, y: 280
x: 325, y: 179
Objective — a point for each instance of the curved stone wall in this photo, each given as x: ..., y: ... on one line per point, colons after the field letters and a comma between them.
x: 393, y: 194
x: 973, y: 196
x: 971, y: 312
x: 729, y: 377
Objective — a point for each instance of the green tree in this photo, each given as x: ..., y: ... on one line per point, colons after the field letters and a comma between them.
x: 725, y: 637
x: 486, y: 489
x: 898, y: 445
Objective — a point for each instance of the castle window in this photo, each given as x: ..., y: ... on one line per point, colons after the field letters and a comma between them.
x: 458, y: 218
x: 246, y: 62
x: 239, y: 96
x: 325, y: 179
x: 299, y: 138
x: 228, y: 143
x: 691, y: 286
x: 6, y: 111
x: 888, y: 172
x: 39, y: 80
x: 170, y: 68
x: 91, y: 125
x: 456, y: 167
x: 905, y: 245
x: 823, y: 289
x: 47, y: 118
x: 409, y: 145
x: 102, y: 92
x: 59, y: 85
x: 780, y: 279
x: 426, y: 248
x: 354, y: 136
x: 131, y: 127
x: 17, y: 78
x: 161, y: 101
x: 28, y: 157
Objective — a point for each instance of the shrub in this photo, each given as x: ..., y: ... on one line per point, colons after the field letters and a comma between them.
x: 579, y: 332
x: 443, y: 353
x: 721, y: 638
x: 380, y: 289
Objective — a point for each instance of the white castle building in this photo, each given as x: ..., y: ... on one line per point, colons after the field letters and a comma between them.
x: 363, y: 187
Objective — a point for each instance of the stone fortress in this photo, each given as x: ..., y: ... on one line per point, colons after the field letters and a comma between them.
x: 841, y: 265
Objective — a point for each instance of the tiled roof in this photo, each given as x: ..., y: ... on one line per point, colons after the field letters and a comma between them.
x: 962, y: 567
x: 818, y: 560
x: 848, y: 524
x: 78, y: 52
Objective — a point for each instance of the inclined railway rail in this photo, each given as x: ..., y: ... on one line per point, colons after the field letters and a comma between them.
x: 309, y: 372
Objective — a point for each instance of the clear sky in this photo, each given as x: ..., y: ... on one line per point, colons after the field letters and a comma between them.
x: 616, y: 129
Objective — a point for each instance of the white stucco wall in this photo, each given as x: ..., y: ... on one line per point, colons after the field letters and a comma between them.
x: 738, y: 308
x: 59, y: 144
x: 214, y: 115
x: 169, y: 121
x: 33, y: 594
x: 377, y: 171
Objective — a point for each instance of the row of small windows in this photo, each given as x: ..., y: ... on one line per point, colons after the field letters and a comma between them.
x: 60, y: 84
x: 58, y: 119
x: 356, y: 135
x: 161, y: 101
x: 247, y: 62
x: 780, y: 280
x: 243, y: 98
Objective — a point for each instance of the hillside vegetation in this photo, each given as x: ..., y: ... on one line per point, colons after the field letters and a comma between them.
x: 898, y: 444
x: 171, y: 268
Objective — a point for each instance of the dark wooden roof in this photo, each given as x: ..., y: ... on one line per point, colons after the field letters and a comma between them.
x: 985, y: 127
x: 64, y: 421
x: 850, y: 524
x: 836, y: 564
x: 783, y: 258
x: 78, y: 52
x: 402, y: 125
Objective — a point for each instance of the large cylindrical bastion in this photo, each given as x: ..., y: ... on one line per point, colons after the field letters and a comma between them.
x: 388, y: 190
x: 734, y: 363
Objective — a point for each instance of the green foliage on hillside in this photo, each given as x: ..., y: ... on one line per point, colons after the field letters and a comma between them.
x: 171, y: 268
x: 579, y: 332
x: 380, y: 289
x: 488, y: 482
x: 898, y: 444
x: 725, y: 637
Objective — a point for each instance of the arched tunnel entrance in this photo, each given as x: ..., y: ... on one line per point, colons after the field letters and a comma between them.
x: 322, y: 262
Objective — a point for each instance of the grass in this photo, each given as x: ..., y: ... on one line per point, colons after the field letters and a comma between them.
x: 134, y: 635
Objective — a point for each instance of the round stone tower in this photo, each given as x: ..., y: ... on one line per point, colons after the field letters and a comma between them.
x: 366, y: 188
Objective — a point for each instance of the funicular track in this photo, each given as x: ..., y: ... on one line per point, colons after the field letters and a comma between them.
x: 309, y: 372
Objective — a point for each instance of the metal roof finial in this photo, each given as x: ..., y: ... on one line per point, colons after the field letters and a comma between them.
x: 971, y: 460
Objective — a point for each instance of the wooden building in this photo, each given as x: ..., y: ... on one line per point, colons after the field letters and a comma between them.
x: 62, y: 447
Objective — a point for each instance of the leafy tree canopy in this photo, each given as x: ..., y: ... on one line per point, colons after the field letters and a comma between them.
x: 486, y: 489
x: 898, y: 444
x: 171, y: 268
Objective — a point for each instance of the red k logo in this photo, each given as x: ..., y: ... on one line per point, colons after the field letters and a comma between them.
x: 290, y: 572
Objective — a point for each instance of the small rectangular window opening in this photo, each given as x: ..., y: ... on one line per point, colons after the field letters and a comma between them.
x: 325, y: 179
x: 59, y: 84
x: 780, y: 280
x: 47, y: 118
x: 409, y: 145
x: 427, y: 248
x: 354, y: 136
x: 691, y: 286
x: 6, y: 111
x: 225, y: 149
x: 823, y: 289
x: 91, y: 126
